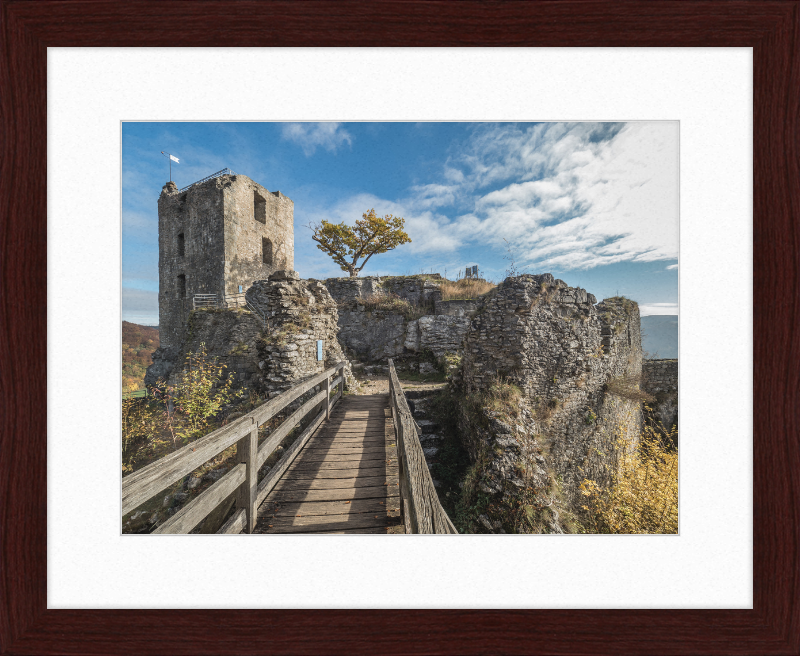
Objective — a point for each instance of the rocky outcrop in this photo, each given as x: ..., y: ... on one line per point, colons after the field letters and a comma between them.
x: 577, y: 366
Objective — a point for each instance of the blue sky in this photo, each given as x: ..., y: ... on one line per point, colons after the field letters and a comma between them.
x: 595, y: 204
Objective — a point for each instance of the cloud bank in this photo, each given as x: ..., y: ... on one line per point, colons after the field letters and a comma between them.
x: 572, y: 196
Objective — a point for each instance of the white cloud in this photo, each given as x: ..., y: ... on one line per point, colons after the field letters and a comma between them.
x: 310, y: 135
x: 649, y: 309
x: 672, y: 266
x: 433, y: 195
x: 575, y: 196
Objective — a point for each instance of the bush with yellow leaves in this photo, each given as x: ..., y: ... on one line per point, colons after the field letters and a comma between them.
x: 643, y: 494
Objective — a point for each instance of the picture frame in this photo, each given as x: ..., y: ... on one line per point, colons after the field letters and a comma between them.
x: 772, y: 29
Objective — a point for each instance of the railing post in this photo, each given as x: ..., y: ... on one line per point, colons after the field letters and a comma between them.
x: 247, y: 452
x: 341, y: 382
x: 328, y: 397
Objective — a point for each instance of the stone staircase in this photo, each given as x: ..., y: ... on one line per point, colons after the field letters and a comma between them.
x: 430, y: 438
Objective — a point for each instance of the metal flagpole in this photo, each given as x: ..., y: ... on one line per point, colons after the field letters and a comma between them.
x: 170, y: 158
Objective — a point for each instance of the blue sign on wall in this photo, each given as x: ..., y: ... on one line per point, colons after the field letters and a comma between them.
x: 319, y: 349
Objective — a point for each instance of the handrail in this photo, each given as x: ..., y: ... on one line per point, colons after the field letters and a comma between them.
x: 422, y: 512
x: 142, y: 485
x: 225, y: 171
x: 204, y: 301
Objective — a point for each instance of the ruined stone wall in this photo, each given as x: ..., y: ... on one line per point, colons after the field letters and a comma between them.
x: 346, y: 290
x: 562, y: 351
x: 660, y: 378
x: 376, y: 335
x: 372, y: 336
x: 419, y: 291
x: 299, y: 312
x: 437, y: 334
x: 210, y: 242
x: 457, y: 308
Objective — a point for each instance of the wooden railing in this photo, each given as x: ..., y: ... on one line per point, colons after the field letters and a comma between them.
x: 142, y: 485
x: 420, y: 507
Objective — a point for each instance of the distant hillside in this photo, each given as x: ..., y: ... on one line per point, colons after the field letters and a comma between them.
x: 138, y: 344
x: 660, y: 335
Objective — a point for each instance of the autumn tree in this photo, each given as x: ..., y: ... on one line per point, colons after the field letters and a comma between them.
x: 371, y: 235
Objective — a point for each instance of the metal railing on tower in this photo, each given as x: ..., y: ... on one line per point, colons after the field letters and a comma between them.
x: 225, y: 171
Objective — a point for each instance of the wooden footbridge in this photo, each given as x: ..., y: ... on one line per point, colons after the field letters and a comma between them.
x: 358, y: 467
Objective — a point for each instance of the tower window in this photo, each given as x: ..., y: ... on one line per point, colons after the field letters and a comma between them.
x: 266, y: 250
x: 182, y: 286
x: 259, y: 208
x: 181, y: 247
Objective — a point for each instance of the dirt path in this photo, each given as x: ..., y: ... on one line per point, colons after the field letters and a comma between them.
x: 378, y: 384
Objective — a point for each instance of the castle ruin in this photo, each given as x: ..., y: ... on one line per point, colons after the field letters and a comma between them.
x: 217, y: 236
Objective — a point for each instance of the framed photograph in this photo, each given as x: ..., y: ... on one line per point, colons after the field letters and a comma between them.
x: 388, y: 603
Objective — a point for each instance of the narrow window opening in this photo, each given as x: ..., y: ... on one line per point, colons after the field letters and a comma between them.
x: 182, y: 286
x: 259, y: 208
x: 181, y: 246
x: 266, y: 250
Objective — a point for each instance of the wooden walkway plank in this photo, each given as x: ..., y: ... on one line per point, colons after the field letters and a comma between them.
x: 345, y: 478
x: 376, y: 492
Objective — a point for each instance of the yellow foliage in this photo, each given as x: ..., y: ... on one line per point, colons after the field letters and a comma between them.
x: 371, y: 235
x: 643, y: 495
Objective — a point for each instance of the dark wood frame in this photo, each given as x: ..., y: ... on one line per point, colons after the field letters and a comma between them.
x: 27, y: 27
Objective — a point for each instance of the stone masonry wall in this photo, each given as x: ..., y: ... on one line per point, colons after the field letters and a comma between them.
x: 562, y: 351
x: 458, y: 308
x: 299, y: 313
x: 660, y: 378
x: 346, y: 290
x: 373, y: 336
x: 437, y: 334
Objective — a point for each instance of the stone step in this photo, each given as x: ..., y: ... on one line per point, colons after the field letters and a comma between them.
x: 424, y: 392
x: 431, y: 439
x: 427, y: 426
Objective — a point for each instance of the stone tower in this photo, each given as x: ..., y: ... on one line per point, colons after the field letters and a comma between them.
x: 217, y: 237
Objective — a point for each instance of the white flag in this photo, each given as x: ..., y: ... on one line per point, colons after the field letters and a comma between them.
x: 174, y: 159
